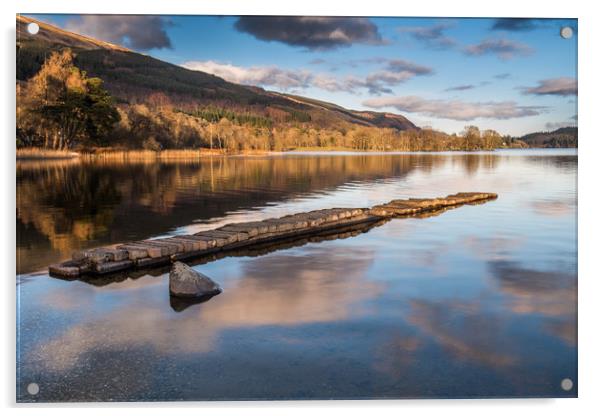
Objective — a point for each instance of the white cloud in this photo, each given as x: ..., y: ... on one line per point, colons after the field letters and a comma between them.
x: 270, y: 76
x: 378, y: 82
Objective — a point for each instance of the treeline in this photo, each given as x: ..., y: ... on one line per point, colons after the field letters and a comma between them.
x: 61, y: 108
x: 154, y: 128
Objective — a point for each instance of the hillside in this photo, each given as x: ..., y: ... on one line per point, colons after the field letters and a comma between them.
x: 373, y: 118
x: 132, y: 77
x: 562, y: 137
x: 55, y: 35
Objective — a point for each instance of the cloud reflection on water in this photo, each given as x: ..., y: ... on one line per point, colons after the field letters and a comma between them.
x: 552, y: 294
x: 531, y: 291
x: 465, y: 330
x: 280, y: 289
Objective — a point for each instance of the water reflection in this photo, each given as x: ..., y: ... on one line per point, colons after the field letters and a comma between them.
x: 478, y: 302
x: 549, y: 293
x: 64, y: 206
x: 252, y: 251
x: 67, y: 205
x: 554, y: 207
x: 465, y: 330
x: 533, y: 291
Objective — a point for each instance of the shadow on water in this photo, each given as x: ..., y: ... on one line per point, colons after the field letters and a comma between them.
x: 179, y: 304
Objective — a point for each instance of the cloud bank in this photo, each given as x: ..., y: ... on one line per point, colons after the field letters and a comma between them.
x: 455, y: 109
x: 311, y: 32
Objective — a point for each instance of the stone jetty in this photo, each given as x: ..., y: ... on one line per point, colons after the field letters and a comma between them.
x: 162, y: 251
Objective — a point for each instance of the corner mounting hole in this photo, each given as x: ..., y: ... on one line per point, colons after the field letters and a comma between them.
x: 33, y: 28
x: 566, y: 384
x: 566, y: 32
x: 33, y: 388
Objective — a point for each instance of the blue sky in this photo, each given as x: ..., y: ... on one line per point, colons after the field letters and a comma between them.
x: 512, y: 75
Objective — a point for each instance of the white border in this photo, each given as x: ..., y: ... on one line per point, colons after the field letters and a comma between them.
x: 508, y: 8
x: 590, y: 153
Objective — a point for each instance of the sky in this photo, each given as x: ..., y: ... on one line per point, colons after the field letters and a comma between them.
x: 513, y: 75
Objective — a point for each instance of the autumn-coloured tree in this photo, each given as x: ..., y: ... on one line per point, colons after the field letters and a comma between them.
x: 67, y: 105
x: 159, y: 101
x: 472, y: 138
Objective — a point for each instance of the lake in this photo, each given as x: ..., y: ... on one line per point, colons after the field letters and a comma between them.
x: 480, y: 301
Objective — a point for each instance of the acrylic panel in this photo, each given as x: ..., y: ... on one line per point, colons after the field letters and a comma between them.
x: 287, y: 207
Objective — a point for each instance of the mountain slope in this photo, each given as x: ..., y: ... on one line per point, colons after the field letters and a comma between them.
x: 132, y: 77
x: 58, y: 36
x: 372, y: 118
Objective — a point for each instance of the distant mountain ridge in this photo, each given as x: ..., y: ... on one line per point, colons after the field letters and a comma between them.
x: 563, y: 137
x: 132, y: 77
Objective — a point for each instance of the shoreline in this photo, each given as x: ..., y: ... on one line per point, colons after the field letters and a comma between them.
x: 34, y: 154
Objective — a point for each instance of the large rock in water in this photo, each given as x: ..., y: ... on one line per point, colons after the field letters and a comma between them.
x: 186, y: 282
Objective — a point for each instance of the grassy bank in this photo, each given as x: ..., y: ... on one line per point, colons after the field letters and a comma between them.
x: 35, y: 153
x: 112, y: 154
x: 119, y: 154
x: 323, y: 149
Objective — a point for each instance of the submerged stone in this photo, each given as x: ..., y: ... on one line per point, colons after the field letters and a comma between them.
x: 186, y: 282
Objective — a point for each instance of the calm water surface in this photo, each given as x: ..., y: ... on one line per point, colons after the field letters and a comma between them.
x: 478, y: 301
